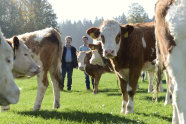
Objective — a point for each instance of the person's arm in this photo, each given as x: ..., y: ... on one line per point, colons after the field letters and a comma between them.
x: 75, y: 64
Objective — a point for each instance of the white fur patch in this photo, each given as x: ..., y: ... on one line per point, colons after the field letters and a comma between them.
x: 144, y: 43
x: 176, y: 19
x: 9, y: 91
x: 129, y: 88
x: 110, y: 30
x: 81, y: 58
x: 39, y: 35
x: 130, y: 106
x: 96, y: 59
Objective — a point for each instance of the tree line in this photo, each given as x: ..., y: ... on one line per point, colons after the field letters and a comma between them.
x: 21, y: 16
x: 77, y: 29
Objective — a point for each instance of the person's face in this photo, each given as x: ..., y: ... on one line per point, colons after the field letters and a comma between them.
x: 85, y: 40
x: 68, y: 42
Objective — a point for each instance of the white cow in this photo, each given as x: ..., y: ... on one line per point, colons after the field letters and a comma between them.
x: 9, y: 91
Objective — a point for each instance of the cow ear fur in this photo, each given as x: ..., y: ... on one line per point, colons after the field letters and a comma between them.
x: 93, y: 32
x: 16, y: 42
x: 126, y: 30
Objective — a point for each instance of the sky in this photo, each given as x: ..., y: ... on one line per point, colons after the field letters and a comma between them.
x: 75, y: 10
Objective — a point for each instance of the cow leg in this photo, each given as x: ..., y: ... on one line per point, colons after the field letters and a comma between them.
x: 96, y: 83
x: 175, y: 115
x: 5, y: 108
x: 168, y: 98
x: 56, y: 89
x: 134, y: 74
x: 151, y: 79
x: 42, y: 84
x: 123, y: 87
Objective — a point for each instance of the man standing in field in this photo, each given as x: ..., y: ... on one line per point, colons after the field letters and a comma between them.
x: 85, y: 47
x: 69, y: 61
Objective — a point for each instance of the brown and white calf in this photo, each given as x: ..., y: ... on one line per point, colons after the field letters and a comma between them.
x: 9, y: 91
x: 170, y: 17
x: 95, y: 71
x: 130, y: 48
x: 46, y: 49
x: 97, y: 59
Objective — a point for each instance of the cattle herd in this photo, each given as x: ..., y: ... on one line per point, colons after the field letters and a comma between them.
x: 125, y: 50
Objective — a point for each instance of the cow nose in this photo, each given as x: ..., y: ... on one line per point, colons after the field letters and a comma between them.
x: 109, y: 52
x: 37, y: 70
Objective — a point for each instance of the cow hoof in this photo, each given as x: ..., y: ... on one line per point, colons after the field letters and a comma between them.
x: 5, y: 108
x: 95, y: 93
x: 149, y: 90
x: 37, y: 108
x: 167, y: 102
x: 122, y: 111
x: 56, y: 105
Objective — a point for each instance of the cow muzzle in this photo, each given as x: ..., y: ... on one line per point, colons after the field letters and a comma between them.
x: 81, y: 68
x: 109, y: 53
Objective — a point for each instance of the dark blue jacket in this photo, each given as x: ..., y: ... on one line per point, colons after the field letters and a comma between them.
x: 74, y: 57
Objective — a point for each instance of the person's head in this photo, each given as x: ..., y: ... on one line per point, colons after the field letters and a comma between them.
x: 68, y: 40
x: 85, y: 40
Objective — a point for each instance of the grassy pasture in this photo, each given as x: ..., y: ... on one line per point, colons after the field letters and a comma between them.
x: 81, y: 106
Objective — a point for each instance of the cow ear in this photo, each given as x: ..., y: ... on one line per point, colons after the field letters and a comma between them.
x: 93, y: 32
x: 16, y: 42
x: 126, y: 30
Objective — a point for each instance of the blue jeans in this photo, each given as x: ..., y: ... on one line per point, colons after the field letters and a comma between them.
x: 87, y: 81
x: 69, y: 70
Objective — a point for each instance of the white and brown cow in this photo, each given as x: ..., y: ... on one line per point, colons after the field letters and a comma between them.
x: 92, y: 70
x: 46, y: 48
x: 9, y: 91
x: 130, y: 48
x: 97, y: 59
x: 24, y: 65
x: 170, y: 17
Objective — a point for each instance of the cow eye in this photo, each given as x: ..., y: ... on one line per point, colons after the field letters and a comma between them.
x: 8, y: 60
x: 118, y: 37
x: 26, y: 54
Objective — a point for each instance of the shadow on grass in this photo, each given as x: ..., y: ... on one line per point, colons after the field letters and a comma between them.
x: 79, y: 116
x: 149, y: 98
x: 157, y: 116
x: 111, y: 92
x: 141, y: 90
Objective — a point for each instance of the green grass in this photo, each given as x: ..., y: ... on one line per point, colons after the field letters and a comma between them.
x: 81, y: 106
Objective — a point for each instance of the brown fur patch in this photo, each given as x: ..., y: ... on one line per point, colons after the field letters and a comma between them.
x: 165, y: 41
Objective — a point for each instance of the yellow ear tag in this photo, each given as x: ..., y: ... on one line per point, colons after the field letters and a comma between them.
x: 92, y: 35
x: 126, y: 35
x: 93, y: 48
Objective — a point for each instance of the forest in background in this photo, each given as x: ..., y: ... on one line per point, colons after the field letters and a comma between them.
x: 21, y: 16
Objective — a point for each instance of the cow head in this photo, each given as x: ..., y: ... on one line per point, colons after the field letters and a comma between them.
x: 81, y: 60
x: 9, y: 91
x: 111, y: 34
x: 96, y: 58
x: 24, y: 65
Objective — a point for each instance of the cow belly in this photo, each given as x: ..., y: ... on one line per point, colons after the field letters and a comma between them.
x: 124, y: 74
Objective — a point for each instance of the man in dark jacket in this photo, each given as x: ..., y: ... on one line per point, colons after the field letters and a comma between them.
x: 69, y: 61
